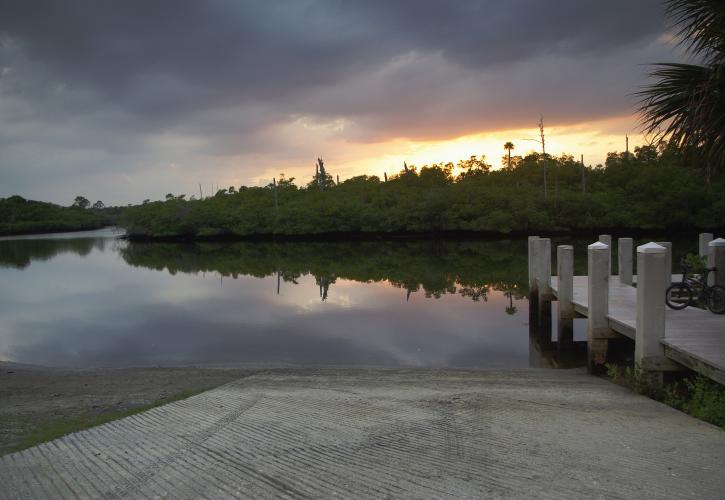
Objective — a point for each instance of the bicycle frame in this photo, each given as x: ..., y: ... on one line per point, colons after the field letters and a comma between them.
x: 698, y: 283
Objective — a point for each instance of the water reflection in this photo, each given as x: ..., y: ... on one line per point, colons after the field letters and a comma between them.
x: 470, y: 269
x: 100, y: 301
x: 19, y: 251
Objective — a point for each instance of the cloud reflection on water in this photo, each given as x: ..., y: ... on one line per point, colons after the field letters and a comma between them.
x: 92, y: 309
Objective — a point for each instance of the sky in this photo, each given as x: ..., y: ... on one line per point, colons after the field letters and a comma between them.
x: 127, y: 100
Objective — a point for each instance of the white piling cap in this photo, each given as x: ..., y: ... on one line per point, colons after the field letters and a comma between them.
x: 651, y: 247
x: 598, y: 246
x: 717, y: 243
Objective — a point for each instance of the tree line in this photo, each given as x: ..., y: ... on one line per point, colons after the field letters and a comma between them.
x: 21, y: 216
x: 652, y: 188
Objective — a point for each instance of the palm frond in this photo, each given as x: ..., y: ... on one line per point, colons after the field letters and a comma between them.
x: 700, y: 26
x: 686, y: 102
x: 687, y: 105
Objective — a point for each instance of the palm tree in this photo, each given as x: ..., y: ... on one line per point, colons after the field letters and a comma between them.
x: 509, y: 146
x: 687, y: 101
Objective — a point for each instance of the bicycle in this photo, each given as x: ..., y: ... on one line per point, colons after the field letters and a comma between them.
x: 694, y: 289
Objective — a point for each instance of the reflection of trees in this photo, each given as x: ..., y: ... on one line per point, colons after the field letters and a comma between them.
x: 468, y: 268
x: 475, y: 292
x: 511, y: 308
x: 21, y: 252
x: 324, y: 283
x: 438, y: 292
x: 511, y: 291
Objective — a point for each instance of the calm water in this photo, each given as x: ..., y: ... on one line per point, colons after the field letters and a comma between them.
x: 89, y: 299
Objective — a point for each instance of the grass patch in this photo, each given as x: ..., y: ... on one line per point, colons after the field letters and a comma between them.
x: 53, y: 428
x: 699, y: 397
x: 696, y: 395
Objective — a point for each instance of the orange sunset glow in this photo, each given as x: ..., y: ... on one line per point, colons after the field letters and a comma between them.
x: 122, y: 113
x: 593, y: 140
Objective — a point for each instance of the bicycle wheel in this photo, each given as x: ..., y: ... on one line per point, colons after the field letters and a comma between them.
x: 716, y: 299
x: 678, y: 296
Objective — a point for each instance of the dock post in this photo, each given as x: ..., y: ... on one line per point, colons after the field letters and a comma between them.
x: 717, y: 256
x: 532, y: 262
x: 607, y: 240
x: 543, y: 279
x: 543, y: 267
x: 649, y: 353
x: 668, y: 261
x: 565, y: 271
x: 533, y: 287
x: 624, y: 256
x: 705, y: 238
x: 598, y: 332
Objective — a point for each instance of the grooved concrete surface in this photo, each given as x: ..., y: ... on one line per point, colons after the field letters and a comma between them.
x: 353, y: 433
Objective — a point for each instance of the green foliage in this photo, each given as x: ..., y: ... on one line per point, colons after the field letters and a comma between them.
x: 697, y: 396
x: 637, y: 379
x: 650, y: 189
x: 21, y: 216
x: 321, y: 180
x: 695, y: 263
x: 81, y: 202
x: 701, y: 398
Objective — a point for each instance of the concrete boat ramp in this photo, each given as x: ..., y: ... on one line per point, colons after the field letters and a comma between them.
x: 384, y: 433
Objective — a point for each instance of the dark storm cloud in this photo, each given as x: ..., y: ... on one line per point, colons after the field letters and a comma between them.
x: 168, y: 58
x: 226, y: 72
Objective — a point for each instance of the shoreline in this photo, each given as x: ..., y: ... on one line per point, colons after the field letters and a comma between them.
x: 407, y: 236
x: 370, y: 236
x: 39, y: 403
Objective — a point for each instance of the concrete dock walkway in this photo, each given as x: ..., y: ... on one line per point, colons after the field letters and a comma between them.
x: 358, y: 433
x: 693, y: 337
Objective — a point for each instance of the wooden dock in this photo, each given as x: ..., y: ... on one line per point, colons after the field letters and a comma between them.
x: 629, y: 305
x: 694, y: 337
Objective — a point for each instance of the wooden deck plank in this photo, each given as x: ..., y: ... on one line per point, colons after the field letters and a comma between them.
x: 693, y: 337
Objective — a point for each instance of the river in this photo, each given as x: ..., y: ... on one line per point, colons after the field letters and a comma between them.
x: 90, y: 299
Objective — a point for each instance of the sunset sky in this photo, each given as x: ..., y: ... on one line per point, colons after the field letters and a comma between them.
x: 127, y: 100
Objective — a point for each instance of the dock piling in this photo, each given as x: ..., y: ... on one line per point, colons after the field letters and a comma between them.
x: 668, y: 261
x: 651, y: 284
x: 533, y: 287
x: 543, y: 267
x: 543, y: 279
x: 624, y: 256
x: 532, y: 262
x: 705, y: 238
x: 607, y: 240
x: 565, y: 272
x: 598, y: 332
x: 717, y: 257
